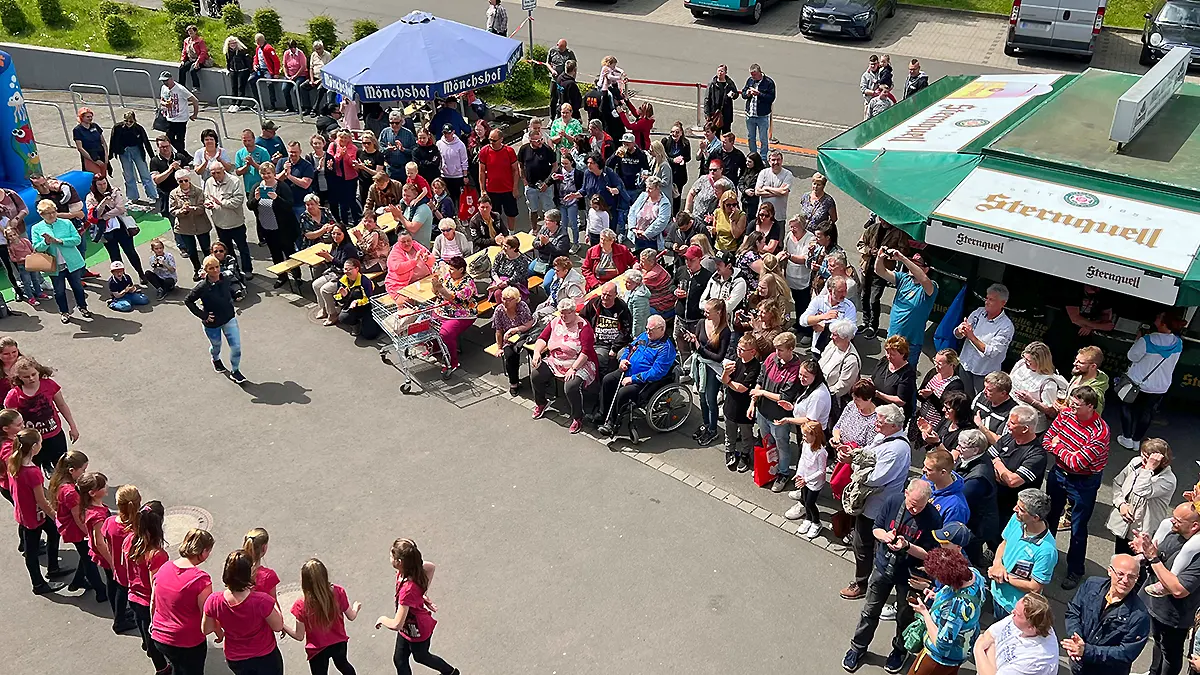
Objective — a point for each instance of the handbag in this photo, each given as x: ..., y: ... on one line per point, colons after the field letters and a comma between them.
x: 39, y: 262
x: 765, y: 462
x: 914, y: 636
x: 161, y: 123
x: 1127, y: 389
x: 540, y: 267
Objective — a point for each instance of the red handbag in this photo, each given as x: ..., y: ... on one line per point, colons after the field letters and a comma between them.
x: 766, y: 459
x: 840, y: 478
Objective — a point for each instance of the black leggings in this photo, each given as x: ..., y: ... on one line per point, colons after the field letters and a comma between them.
x: 164, y: 284
x: 118, y: 600
x: 12, y: 275
x: 319, y: 663
x: 420, y: 653
x: 141, y: 614
x: 184, y: 660
x: 512, y: 363
x: 87, y: 572
x: 33, y: 537
x: 542, y: 379
x: 270, y: 664
x: 281, y: 248
x: 120, y: 240
x: 809, y: 497
x: 53, y: 448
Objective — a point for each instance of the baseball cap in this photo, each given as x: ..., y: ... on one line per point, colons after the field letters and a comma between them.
x: 270, y: 125
x: 693, y: 253
x: 953, y: 533
x: 164, y: 76
x: 116, y: 265
x: 447, y: 127
x: 627, y: 137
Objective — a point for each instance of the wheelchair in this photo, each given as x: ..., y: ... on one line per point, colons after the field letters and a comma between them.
x: 664, y: 405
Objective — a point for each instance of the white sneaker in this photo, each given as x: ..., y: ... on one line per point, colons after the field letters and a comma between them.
x: 814, y: 531
x: 795, y: 513
x: 888, y: 613
x: 795, y: 495
x: 233, y: 108
x: 1126, y: 443
x: 804, y: 528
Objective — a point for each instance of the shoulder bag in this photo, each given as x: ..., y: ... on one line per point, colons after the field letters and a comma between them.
x: 40, y: 262
x: 1127, y: 389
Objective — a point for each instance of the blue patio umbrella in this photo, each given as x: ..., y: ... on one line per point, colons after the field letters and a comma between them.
x: 419, y: 58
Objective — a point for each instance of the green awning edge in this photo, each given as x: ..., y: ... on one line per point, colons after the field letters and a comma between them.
x: 903, y: 188
x: 868, y: 130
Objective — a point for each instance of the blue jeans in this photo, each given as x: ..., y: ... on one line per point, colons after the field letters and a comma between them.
x: 547, y: 280
x: 127, y: 302
x: 914, y: 354
x: 781, y: 435
x: 252, y: 83
x: 60, y: 289
x: 31, y: 281
x: 232, y: 336
x: 1081, y: 490
x: 758, y: 131
x: 708, y: 400
x: 133, y: 168
x: 570, y: 214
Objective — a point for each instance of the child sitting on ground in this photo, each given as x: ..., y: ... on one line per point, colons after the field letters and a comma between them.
x: 162, y: 275
x: 19, y: 248
x: 125, y: 293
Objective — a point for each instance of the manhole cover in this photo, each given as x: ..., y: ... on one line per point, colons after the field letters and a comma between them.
x: 177, y: 520
x: 287, y: 595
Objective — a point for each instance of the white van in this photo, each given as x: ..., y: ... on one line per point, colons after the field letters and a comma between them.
x: 1064, y: 26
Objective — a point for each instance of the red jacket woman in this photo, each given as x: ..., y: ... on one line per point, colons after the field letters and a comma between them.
x: 622, y: 260
x: 640, y: 125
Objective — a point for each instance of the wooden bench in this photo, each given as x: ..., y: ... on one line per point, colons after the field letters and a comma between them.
x: 488, y: 305
x: 280, y: 269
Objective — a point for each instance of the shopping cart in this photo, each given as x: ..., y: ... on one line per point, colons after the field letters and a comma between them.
x: 409, y: 326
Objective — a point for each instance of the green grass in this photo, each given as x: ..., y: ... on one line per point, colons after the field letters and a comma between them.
x: 1120, y: 13
x: 154, y: 36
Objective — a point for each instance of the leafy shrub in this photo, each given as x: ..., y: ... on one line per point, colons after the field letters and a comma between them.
x: 267, y: 21
x: 245, y: 33
x: 13, y: 17
x: 180, y: 22
x: 362, y: 28
x: 178, y: 7
x: 323, y: 28
x: 540, y: 54
x: 520, y: 83
x: 108, y: 8
x: 232, y: 15
x: 118, y: 32
x: 52, y: 13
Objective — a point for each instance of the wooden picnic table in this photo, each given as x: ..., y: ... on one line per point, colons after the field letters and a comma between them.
x: 422, y: 291
x: 311, y: 255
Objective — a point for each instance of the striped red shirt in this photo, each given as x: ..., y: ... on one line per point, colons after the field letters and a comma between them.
x: 1080, y: 447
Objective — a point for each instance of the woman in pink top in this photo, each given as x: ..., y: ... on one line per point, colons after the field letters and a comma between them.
x: 414, y: 620
x: 143, y: 553
x: 115, y: 530
x: 69, y: 508
x: 180, y: 591
x: 28, y: 487
x: 319, y: 619
x: 343, y: 195
x: 566, y: 350
x: 255, y: 548
x: 40, y: 400
x: 409, y: 261
x: 248, y: 618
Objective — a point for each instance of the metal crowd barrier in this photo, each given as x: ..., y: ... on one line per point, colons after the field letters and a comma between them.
x: 68, y: 143
x: 149, y: 87
x: 234, y: 100
x: 258, y: 85
x: 77, y: 90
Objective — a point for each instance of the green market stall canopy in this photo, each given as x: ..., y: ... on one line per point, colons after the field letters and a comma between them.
x: 1020, y: 169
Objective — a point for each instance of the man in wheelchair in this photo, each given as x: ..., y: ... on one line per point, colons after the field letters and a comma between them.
x: 643, y: 364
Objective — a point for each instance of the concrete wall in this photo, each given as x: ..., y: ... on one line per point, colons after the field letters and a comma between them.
x: 58, y: 69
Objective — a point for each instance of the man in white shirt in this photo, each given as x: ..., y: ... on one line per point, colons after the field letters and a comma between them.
x: 986, y: 334
x: 497, y: 18
x: 173, y: 100
x: 775, y: 184
x: 1022, y: 644
x: 826, y: 307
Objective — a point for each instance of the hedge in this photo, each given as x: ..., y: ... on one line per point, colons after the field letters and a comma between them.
x: 323, y: 28
x: 52, y: 13
x: 233, y: 16
x: 118, y: 32
x: 267, y: 21
x: 13, y: 18
x: 362, y: 28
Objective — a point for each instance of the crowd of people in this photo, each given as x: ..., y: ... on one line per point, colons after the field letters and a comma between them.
x: 59, y: 498
x: 713, y: 280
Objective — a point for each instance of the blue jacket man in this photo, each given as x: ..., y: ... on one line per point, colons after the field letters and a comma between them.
x: 759, y: 93
x: 648, y: 359
x: 1107, y: 623
x: 599, y: 183
x: 449, y: 114
x: 948, y: 496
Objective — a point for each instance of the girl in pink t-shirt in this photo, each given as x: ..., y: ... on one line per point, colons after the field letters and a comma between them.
x: 255, y: 548
x: 320, y: 618
x: 67, y: 502
x: 115, y: 530
x: 11, y: 422
x: 91, y: 488
x: 30, y: 504
x: 180, y: 590
x: 144, y: 554
x: 40, y: 400
x: 414, y: 620
x: 248, y: 618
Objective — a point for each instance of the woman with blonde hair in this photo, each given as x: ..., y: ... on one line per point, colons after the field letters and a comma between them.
x: 255, y: 548
x: 1036, y: 383
x: 180, y: 591
x: 940, y: 380
x: 660, y: 165
x: 237, y: 60
x: 708, y: 262
x: 772, y: 287
x: 1142, y: 493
